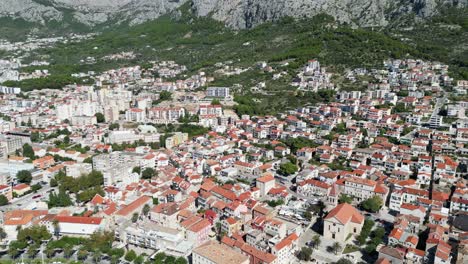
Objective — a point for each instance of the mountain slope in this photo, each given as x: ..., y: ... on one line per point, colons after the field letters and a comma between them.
x: 249, y: 13
x: 95, y: 14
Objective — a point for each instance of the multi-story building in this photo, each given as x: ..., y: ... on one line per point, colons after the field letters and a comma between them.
x: 215, y: 253
x: 165, y: 114
x: 208, y: 110
x: 221, y: 92
x: 175, y: 140
x: 362, y: 189
x: 156, y: 237
x: 135, y: 115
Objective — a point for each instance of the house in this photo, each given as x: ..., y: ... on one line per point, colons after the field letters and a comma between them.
x: 165, y: 214
x: 311, y: 187
x: 15, y: 219
x: 362, y: 189
x: 21, y: 189
x: 215, y: 253
x: 6, y: 191
x: 44, y: 162
x: 286, y: 248
x: 342, y: 221
x: 265, y: 184
x: 134, y: 207
x: 73, y: 225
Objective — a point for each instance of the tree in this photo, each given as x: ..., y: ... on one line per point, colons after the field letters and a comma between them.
x: 50, y: 252
x: 100, y: 118
x: 308, y: 215
x: 287, y: 169
x: 336, y: 247
x: 3, y: 200
x: 3, y: 234
x: 32, y: 251
x: 136, y: 170
x: 35, y: 234
x: 139, y: 260
x: 344, y: 198
x: 305, y: 254
x: 56, y: 226
x: 316, y: 241
x: 97, y: 256
x: 165, y: 96
x: 68, y: 250
x: 181, y: 260
x: 13, y: 252
x: 28, y: 151
x: 114, y: 259
x: 82, y: 254
x: 146, y: 209
x: 215, y: 102
x: 148, y: 173
x: 35, y: 137
x: 372, y: 204
x: 130, y: 256
x: 344, y: 261
x: 24, y: 176
x: 134, y: 217
x: 114, y: 126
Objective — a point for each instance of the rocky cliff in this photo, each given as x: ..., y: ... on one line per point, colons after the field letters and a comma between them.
x: 234, y: 13
x: 249, y: 13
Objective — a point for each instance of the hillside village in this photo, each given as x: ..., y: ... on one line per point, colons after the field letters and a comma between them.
x: 153, y: 163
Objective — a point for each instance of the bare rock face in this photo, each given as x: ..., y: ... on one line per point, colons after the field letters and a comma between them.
x: 88, y: 12
x: 249, y: 13
x: 234, y: 13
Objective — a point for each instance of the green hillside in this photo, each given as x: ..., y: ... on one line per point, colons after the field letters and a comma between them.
x: 199, y: 43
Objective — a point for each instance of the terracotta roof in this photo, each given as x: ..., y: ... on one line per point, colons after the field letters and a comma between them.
x: 345, y: 213
x: 220, y: 253
x: 286, y: 241
x: 22, y: 217
x: 266, y: 178
x: 133, y: 205
x: 79, y: 220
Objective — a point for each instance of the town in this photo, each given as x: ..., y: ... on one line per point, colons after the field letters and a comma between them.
x: 153, y: 164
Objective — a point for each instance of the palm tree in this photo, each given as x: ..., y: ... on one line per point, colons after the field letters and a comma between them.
x: 316, y: 241
x: 68, y: 250
x: 97, y: 256
x: 56, y: 226
x: 82, y: 254
x: 50, y: 252
x: 32, y: 251
x: 13, y: 252
x: 146, y: 209
x: 336, y: 247
x: 3, y: 234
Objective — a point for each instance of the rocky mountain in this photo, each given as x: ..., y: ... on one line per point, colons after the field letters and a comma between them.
x: 249, y: 13
x: 234, y: 13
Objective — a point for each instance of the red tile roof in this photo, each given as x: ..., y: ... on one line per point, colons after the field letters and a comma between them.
x: 79, y: 220
x: 345, y: 213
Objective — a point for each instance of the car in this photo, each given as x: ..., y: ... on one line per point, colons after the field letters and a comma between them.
x: 36, y: 196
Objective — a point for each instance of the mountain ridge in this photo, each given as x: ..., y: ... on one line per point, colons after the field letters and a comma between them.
x: 236, y: 14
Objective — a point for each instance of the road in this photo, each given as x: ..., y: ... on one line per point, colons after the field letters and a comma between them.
x: 23, y: 201
x: 440, y: 102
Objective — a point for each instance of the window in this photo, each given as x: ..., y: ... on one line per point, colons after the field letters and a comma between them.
x: 333, y: 236
x: 355, y: 230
